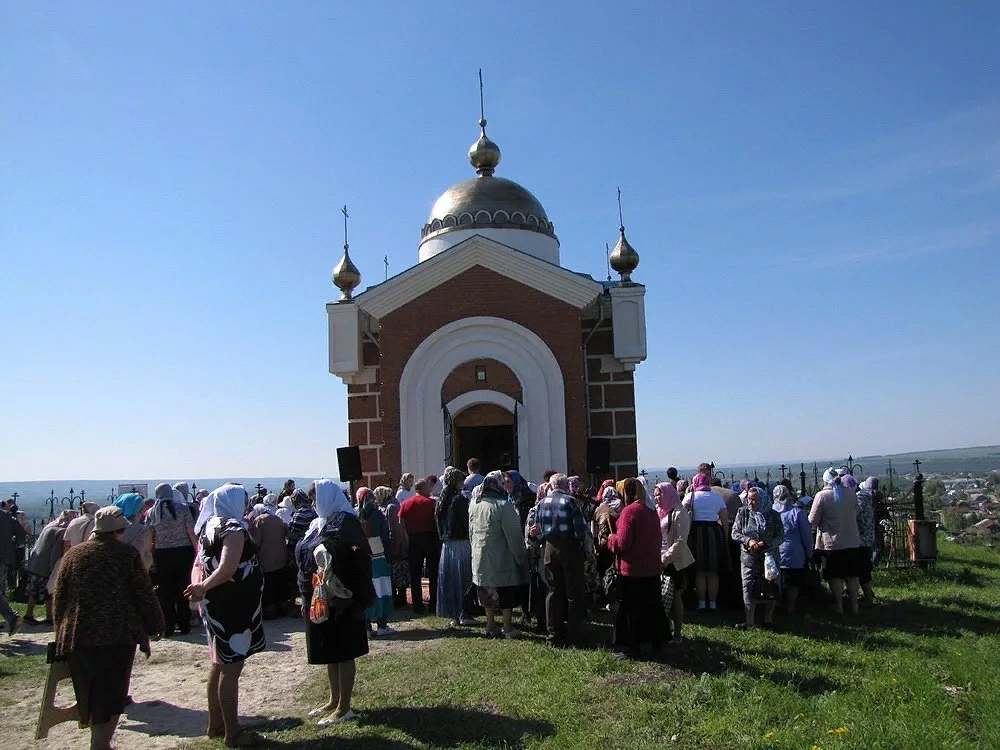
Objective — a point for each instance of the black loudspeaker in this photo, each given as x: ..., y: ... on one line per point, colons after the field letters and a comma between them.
x: 598, y: 455
x: 349, y: 462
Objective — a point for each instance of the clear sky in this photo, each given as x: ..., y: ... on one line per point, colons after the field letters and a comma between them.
x: 814, y: 190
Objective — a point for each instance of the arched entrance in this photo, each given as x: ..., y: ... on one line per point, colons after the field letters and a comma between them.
x: 540, y: 420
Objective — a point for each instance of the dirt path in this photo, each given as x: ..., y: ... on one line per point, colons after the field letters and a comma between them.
x: 169, y: 688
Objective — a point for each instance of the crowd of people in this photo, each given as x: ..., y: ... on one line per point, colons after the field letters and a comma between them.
x: 112, y: 579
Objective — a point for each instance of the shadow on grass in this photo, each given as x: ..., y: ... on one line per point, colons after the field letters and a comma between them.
x: 450, y: 726
x: 697, y: 657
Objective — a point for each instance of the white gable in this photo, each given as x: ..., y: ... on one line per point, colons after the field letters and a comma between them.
x: 548, y: 278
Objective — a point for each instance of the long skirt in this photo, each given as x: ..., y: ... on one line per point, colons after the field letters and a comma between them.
x: 399, y: 572
x: 640, y: 618
x: 842, y: 563
x: 454, y: 578
x: 709, y: 547
x: 382, y: 608
x: 339, y: 639
x: 101, y: 676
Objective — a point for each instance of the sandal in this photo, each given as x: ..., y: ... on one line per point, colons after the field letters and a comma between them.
x: 246, y: 738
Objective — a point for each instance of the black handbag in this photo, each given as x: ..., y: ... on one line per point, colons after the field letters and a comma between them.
x: 470, y: 603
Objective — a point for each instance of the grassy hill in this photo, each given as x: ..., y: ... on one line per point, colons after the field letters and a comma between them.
x: 918, y: 671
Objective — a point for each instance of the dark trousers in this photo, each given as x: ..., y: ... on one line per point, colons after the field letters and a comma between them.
x: 172, y: 575
x: 562, y: 564
x: 425, y: 551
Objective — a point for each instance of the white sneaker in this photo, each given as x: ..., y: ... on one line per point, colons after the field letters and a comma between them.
x: 386, y: 631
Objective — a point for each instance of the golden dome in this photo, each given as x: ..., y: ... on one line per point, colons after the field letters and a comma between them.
x: 346, y: 275
x: 484, y: 154
x: 624, y: 259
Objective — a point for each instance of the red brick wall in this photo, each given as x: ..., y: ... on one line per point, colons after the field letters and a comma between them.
x: 479, y: 291
x: 610, y: 397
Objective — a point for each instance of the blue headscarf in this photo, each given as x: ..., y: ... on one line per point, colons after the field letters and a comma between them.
x: 130, y: 503
x: 520, y: 484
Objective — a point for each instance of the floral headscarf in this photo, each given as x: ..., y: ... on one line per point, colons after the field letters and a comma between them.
x: 452, y: 477
x: 493, y: 484
x: 382, y: 495
x: 543, y: 491
x: 575, y: 485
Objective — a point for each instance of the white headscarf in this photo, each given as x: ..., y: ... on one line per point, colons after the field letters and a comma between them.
x: 228, y: 501
x: 330, y: 499
x: 650, y: 501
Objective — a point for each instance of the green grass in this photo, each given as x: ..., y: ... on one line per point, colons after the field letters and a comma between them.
x: 20, y: 663
x: 919, y: 671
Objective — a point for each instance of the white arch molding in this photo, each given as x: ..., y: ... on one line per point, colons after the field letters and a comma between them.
x: 541, y: 419
x: 473, y: 398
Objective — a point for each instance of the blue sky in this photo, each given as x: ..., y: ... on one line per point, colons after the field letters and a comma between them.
x: 813, y: 190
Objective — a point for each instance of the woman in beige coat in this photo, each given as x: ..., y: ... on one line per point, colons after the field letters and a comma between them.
x: 675, y: 525
x: 499, y: 559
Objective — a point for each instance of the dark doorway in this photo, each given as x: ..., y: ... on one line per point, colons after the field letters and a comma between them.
x: 493, y: 445
x: 486, y: 432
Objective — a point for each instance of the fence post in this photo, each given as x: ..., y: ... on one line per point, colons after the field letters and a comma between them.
x: 918, y: 492
x: 802, y: 478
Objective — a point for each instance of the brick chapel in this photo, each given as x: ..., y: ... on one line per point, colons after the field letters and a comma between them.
x: 488, y: 347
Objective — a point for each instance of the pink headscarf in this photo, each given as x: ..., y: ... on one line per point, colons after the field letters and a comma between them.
x: 668, y: 499
x: 543, y: 490
x: 701, y: 483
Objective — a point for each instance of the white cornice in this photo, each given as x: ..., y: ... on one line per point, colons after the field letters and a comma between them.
x: 550, y: 279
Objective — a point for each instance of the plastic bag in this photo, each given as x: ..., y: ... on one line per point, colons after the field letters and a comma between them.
x: 318, y: 610
x: 771, y: 570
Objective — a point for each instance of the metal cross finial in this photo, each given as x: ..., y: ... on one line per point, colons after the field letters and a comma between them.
x: 346, y: 215
x: 482, y: 106
x: 607, y: 257
x: 386, y: 261
x: 621, y: 221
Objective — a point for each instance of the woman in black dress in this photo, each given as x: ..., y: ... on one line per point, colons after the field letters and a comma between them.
x: 229, y: 591
x: 344, y: 636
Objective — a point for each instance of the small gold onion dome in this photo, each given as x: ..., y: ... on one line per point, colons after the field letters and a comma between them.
x: 484, y: 154
x: 346, y: 275
x: 624, y: 259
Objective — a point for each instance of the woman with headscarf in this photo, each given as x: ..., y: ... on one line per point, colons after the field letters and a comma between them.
x: 229, y: 591
x: 173, y: 555
x: 518, y: 493
x: 537, y: 590
x: 499, y: 561
x: 796, y: 546
x: 42, y: 562
x: 286, y: 509
x: 591, y: 576
x: 271, y: 538
x: 344, y: 636
x: 834, y: 513
x: 136, y: 534
x: 758, y: 531
x: 377, y: 531
x: 455, y: 565
x: 603, y: 526
x: 398, y: 552
x: 184, y: 498
x: 639, y: 618
x: 675, y: 555
x: 710, y: 520
x: 866, y: 533
x: 303, y: 516
x: 103, y: 607
x: 405, y: 490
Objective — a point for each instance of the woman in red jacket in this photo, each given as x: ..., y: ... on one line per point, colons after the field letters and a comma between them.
x: 639, y: 619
